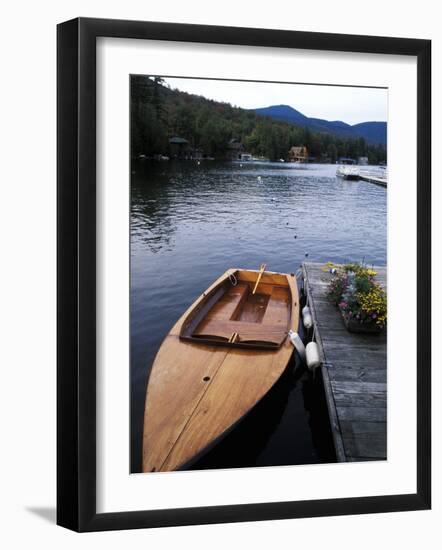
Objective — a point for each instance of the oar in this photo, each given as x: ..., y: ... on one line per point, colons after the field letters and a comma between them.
x: 261, y: 271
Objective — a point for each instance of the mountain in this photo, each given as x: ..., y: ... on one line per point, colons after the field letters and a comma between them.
x: 372, y: 132
x: 375, y: 132
x: 285, y: 113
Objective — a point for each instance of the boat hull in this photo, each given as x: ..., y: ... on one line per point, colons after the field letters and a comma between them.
x: 198, y: 390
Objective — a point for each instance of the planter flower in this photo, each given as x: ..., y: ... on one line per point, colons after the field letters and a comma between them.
x: 360, y: 299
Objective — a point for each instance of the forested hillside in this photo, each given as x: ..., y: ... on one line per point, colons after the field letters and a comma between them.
x: 159, y: 113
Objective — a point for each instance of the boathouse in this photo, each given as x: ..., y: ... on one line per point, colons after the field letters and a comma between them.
x: 179, y: 147
x: 235, y: 149
x: 298, y: 154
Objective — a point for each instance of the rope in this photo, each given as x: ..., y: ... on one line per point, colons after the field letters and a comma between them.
x: 233, y: 279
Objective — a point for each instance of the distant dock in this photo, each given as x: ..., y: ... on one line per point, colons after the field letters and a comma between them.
x: 354, y: 173
x: 373, y: 178
x: 354, y: 373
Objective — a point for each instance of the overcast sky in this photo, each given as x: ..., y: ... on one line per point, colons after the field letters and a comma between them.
x: 351, y: 105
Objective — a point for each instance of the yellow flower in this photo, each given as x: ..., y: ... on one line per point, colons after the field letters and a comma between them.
x: 374, y: 302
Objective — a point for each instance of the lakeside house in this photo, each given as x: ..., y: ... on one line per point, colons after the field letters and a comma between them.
x: 235, y: 149
x: 298, y: 154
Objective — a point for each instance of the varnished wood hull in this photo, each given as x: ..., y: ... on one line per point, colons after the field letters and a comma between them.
x: 198, y: 391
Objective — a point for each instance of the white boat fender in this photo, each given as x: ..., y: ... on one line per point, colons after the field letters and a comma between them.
x: 307, y: 317
x: 312, y: 355
x: 295, y: 339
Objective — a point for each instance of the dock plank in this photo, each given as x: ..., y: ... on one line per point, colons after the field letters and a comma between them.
x: 360, y: 400
x: 354, y: 373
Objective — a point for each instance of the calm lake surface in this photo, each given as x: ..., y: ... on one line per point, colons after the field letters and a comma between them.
x: 190, y: 222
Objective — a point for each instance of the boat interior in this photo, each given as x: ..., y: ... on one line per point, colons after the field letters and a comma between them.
x: 241, y: 313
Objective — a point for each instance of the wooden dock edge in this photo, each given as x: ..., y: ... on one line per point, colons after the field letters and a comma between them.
x: 331, y: 405
x: 373, y: 179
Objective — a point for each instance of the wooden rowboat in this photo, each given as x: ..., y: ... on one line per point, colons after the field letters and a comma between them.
x: 220, y: 358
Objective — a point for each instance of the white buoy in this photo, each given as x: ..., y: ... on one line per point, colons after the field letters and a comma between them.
x: 307, y: 317
x: 312, y: 355
x: 259, y: 178
x: 295, y: 339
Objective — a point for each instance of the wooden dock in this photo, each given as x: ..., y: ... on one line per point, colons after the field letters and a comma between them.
x: 354, y: 373
x: 372, y: 178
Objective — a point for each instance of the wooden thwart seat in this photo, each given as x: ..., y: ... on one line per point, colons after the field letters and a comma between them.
x: 246, y: 331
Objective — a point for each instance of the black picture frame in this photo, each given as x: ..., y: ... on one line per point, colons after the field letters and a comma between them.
x: 76, y: 274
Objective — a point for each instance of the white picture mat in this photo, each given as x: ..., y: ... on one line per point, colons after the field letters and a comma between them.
x: 116, y: 489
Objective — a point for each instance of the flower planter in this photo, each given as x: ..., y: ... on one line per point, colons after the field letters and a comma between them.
x: 353, y: 325
x: 361, y: 301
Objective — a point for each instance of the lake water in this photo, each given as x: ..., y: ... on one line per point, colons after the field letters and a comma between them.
x: 190, y: 222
